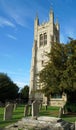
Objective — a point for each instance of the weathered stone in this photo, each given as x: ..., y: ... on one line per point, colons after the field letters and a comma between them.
x: 35, y: 108
x: 8, y: 110
x: 15, y: 106
x: 60, y: 111
x: 26, y: 110
x: 49, y: 119
x: 42, y: 123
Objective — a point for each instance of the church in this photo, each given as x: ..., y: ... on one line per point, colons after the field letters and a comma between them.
x: 45, y: 34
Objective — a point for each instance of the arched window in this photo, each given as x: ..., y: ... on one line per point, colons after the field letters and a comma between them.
x: 43, y: 39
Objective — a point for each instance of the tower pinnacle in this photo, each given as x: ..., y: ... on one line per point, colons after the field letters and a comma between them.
x: 51, y: 15
x: 57, y: 24
x: 37, y: 19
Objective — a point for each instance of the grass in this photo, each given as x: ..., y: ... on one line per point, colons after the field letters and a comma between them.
x: 18, y: 114
x: 69, y: 118
x: 51, y: 111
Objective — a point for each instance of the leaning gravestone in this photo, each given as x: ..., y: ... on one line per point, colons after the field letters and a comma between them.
x: 8, y: 111
x: 35, y: 108
x: 60, y: 112
x: 15, y: 106
x: 26, y: 110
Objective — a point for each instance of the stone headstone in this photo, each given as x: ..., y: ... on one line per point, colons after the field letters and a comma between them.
x: 27, y: 110
x: 30, y: 106
x: 40, y: 104
x: 15, y: 106
x: 35, y: 108
x: 60, y: 112
x: 8, y: 111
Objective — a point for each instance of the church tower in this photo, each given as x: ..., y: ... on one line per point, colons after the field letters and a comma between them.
x: 45, y: 35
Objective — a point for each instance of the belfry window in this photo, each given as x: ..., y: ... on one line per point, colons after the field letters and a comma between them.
x: 43, y: 39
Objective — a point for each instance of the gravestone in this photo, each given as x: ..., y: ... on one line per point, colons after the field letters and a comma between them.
x: 40, y: 105
x: 15, y: 106
x: 8, y: 111
x: 26, y: 110
x: 35, y: 109
x: 30, y: 109
x: 60, y: 112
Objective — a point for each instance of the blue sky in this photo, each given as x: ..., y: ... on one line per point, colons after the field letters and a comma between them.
x: 17, y: 30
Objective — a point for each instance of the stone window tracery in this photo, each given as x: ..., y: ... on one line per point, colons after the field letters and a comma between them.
x: 43, y: 39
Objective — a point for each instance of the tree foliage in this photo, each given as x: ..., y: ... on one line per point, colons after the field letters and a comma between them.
x: 8, y: 89
x: 59, y: 73
x: 25, y: 93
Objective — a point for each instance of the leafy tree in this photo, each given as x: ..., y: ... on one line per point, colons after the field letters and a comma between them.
x: 49, y: 77
x: 58, y: 74
x: 70, y: 72
x: 8, y: 89
x: 25, y: 93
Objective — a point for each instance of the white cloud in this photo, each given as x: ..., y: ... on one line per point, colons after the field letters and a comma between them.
x: 23, y: 12
x: 18, y: 17
x: 12, y: 37
x: 6, y: 22
x: 19, y: 14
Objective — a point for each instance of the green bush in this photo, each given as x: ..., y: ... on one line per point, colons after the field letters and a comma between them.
x: 70, y: 107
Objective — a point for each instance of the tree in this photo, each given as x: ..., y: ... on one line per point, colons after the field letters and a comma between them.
x: 8, y: 89
x: 58, y: 74
x: 70, y: 72
x: 25, y: 93
x: 49, y: 77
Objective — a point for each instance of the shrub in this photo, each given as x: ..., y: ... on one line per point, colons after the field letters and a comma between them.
x: 70, y: 107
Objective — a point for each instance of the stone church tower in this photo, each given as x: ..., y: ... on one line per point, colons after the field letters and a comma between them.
x: 45, y: 35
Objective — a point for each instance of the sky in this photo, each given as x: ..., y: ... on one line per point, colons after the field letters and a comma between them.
x: 17, y: 32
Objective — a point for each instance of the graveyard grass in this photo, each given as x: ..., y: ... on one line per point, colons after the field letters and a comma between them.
x: 19, y: 113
